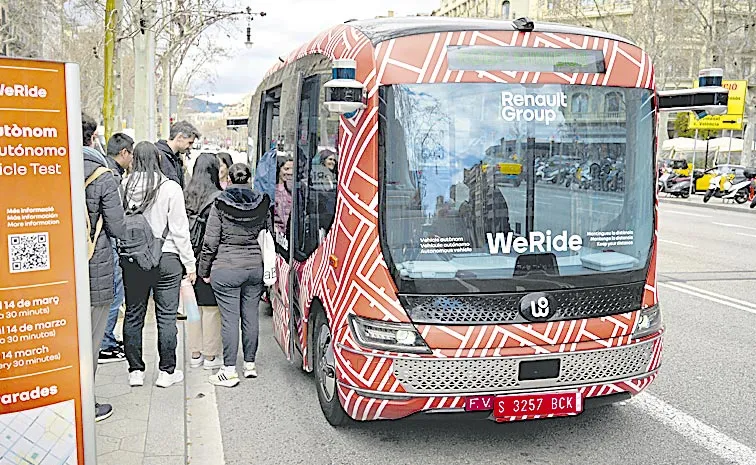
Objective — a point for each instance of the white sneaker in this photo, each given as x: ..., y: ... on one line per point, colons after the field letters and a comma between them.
x: 197, y: 362
x: 250, y: 371
x: 217, y: 362
x: 167, y: 380
x: 136, y: 378
x: 225, y: 378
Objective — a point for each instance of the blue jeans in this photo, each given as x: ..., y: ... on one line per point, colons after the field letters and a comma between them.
x: 109, y: 341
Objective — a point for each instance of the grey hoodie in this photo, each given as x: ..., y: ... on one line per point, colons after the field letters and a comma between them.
x: 167, y: 209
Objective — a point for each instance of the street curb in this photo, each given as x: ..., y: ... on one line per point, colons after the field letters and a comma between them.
x: 697, y: 202
x: 204, y: 440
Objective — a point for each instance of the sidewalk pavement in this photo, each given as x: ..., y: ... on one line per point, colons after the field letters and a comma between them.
x: 713, y: 204
x: 158, y: 426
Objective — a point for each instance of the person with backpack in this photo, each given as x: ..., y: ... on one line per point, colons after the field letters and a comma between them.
x: 204, y: 336
x: 155, y: 255
x: 105, y: 221
x: 232, y: 262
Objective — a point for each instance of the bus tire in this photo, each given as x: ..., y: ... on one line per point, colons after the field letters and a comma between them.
x: 324, y: 367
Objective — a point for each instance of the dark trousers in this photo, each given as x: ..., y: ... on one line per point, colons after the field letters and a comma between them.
x: 238, y: 295
x: 99, y: 322
x: 164, y: 282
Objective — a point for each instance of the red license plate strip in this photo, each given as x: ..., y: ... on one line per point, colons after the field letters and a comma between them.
x: 550, y: 404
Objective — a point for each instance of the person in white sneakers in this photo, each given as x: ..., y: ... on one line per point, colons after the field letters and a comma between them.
x: 231, y: 261
x: 204, y: 335
x: 153, y: 261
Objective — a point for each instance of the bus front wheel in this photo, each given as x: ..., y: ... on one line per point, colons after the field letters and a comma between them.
x: 325, y: 372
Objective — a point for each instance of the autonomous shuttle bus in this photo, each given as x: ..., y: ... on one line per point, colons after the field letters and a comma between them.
x: 421, y: 269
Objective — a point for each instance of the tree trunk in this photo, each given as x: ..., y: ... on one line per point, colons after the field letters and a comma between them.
x: 144, y: 78
x: 108, y: 98
x: 165, y: 110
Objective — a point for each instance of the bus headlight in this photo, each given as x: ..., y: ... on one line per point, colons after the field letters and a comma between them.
x: 385, y: 335
x: 649, y: 322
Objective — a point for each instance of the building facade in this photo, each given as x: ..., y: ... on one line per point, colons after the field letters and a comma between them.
x: 681, y: 37
x: 495, y: 9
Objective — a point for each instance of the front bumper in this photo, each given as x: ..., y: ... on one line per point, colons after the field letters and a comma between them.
x: 393, y: 386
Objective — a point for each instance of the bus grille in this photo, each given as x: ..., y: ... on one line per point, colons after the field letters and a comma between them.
x: 571, y: 304
x: 454, y: 376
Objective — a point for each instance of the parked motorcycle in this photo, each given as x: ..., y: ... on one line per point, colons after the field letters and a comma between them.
x: 724, y: 189
x: 680, y: 187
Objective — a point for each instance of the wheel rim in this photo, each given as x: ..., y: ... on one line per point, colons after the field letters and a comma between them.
x: 326, y: 364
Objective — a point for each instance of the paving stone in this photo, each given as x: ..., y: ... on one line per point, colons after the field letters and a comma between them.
x: 103, y: 379
x: 106, y: 445
x: 164, y: 460
x: 134, y: 443
x: 112, y: 390
x: 122, y: 428
x: 121, y: 457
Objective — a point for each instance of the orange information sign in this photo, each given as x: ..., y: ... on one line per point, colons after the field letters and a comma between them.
x: 41, y: 419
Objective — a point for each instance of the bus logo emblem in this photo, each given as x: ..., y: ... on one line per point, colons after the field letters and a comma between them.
x: 537, y: 307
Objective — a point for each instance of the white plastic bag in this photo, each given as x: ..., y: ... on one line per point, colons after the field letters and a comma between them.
x: 268, y: 249
x: 189, y: 301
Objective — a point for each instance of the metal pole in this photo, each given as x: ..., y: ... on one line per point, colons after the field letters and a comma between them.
x: 693, y: 166
x: 729, y: 148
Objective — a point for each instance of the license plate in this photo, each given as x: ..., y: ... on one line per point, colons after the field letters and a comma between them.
x: 557, y: 404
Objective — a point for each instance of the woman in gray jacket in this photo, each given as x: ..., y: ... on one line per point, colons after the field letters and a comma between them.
x: 231, y: 261
x: 162, y: 202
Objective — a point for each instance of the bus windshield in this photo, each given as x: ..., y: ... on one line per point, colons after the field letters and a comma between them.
x: 494, y: 182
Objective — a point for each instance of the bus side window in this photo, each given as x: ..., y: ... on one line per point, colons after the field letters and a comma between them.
x: 317, y: 167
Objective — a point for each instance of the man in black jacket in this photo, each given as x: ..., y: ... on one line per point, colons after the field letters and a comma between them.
x: 120, y: 154
x: 120, y: 148
x: 103, y: 204
x: 182, y: 137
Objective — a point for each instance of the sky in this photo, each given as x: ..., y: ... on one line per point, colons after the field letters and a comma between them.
x: 287, y: 25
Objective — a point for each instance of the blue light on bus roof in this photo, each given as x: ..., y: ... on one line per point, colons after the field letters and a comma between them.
x: 344, y: 73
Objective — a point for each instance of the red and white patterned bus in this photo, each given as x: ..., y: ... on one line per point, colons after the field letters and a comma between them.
x: 423, y: 264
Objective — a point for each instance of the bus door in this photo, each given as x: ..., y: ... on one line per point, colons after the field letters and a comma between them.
x: 284, y: 221
x: 314, y: 199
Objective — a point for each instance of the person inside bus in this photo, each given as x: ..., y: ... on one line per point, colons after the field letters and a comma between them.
x: 225, y: 163
x: 322, y: 208
x: 231, y: 262
x: 283, y: 201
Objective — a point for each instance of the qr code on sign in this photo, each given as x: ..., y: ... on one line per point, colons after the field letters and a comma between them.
x: 29, y: 252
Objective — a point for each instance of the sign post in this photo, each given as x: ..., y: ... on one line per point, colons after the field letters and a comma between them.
x: 692, y: 188
x: 46, y: 379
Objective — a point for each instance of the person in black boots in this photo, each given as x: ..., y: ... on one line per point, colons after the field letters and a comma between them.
x: 231, y: 261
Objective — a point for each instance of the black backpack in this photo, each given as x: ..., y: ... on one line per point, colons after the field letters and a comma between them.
x: 198, y: 223
x: 139, y: 244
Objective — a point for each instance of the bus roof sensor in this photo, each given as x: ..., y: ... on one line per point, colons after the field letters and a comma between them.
x: 523, y: 24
